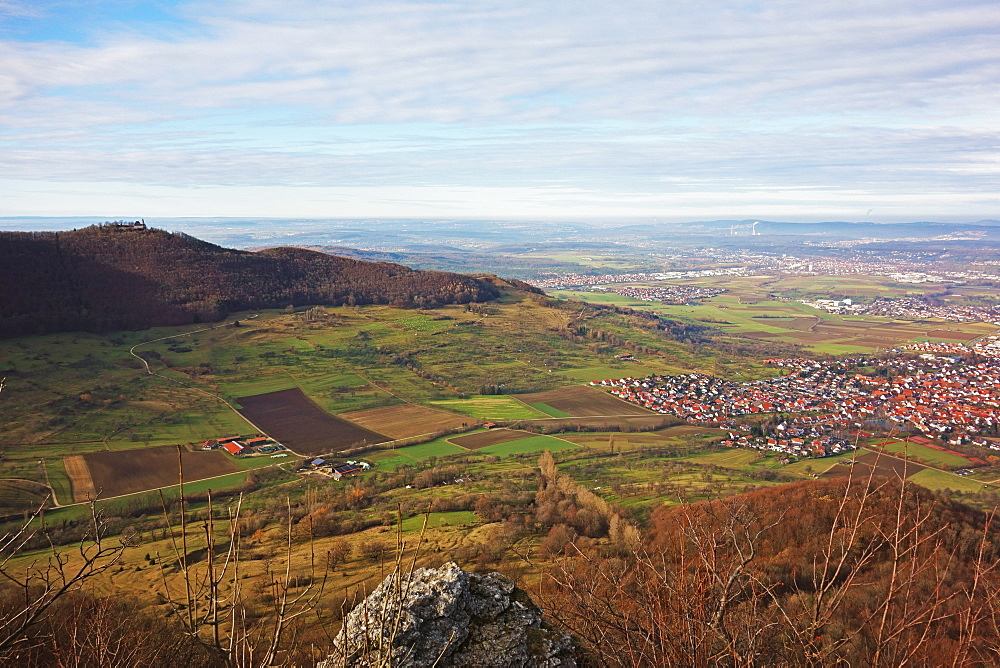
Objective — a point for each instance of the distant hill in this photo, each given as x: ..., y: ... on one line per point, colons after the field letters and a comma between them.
x: 104, y: 278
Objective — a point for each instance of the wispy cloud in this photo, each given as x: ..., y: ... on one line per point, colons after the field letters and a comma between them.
x: 899, y: 98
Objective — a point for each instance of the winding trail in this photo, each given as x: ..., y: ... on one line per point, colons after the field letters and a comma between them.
x: 217, y: 397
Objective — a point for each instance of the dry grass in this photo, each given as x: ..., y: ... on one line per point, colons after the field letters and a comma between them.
x: 79, y: 478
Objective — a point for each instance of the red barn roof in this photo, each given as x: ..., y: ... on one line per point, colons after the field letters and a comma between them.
x: 232, y: 447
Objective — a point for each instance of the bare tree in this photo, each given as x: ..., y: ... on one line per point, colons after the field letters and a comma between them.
x: 41, y: 582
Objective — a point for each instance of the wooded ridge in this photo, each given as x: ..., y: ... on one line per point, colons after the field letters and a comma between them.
x: 105, y: 277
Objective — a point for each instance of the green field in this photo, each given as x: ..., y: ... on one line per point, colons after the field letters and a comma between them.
x: 939, y: 480
x: 548, y: 410
x: 530, y: 444
x: 491, y: 408
x: 389, y: 460
x: 77, y: 393
x: 435, y: 520
x: 926, y: 454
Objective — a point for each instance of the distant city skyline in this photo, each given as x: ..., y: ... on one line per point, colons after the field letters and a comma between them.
x: 883, y: 111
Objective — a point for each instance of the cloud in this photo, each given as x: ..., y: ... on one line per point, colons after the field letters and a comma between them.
x: 613, y: 99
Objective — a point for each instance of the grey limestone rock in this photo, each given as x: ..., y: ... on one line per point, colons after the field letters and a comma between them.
x: 449, y: 617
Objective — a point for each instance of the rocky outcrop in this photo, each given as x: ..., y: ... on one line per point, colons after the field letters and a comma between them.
x: 449, y: 617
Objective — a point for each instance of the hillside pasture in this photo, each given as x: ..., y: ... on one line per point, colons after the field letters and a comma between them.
x: 292, y: 419
x: 583, y: 401
x: 405, y: 421
x: 487, y: 438
x: 736, y: 458
x: 129, y: 471
x: 588, y: 374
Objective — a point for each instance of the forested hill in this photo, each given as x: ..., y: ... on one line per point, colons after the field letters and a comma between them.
x: 103, y: 278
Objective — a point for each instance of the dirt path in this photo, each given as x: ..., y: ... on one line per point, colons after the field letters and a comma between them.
x: 192, y: 387
x: 79, y: 478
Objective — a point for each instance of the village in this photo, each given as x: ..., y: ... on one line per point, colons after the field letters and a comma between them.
x: 671, y: 294
x: 907, y: 307
x: 945, y: 391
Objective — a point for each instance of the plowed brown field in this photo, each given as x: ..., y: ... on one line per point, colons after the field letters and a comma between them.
x: 406, y: 420
x: 583, y: 401
x: 291, y: 418
x: 127, y: 471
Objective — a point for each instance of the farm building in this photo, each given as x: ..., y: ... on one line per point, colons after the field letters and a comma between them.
x: 260, y: 440
x: 233, y: 447
x: 345, y: 470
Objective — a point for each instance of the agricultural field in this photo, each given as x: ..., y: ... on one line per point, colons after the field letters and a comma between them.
x: 127, y: 471
x: 75, y: 393
x: 80, y: 480
x: 500, y: 408
x: 940, y: 480
x: 406, y: 421
x: 548, y: 410
x: 292, y: 419
x: 868, y: 461
x: 819, y: 466
x: 487, y: 438
x: 924, y: 453
x: 763, y: 307
x: 627, y: 423
x: 583, y: 401
x: 531, y: 444
x: 18, y: 496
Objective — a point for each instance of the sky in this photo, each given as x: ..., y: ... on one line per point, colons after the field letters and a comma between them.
x: 682, y: 110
